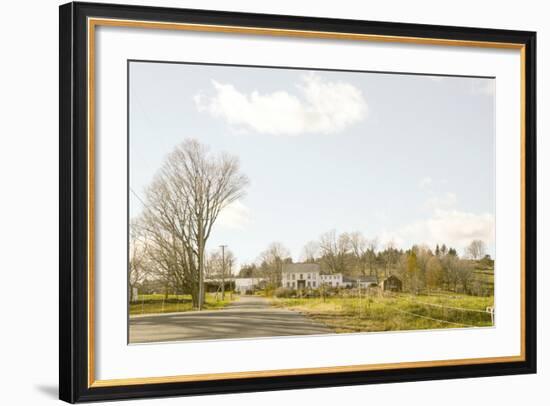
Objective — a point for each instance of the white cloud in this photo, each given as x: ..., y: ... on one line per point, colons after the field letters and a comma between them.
x: 386, y: 238
x: 425, y: 182
x: 446, y: 201
x: 445, y: 225
x: 452, y: 227
x: 320, y: 106
x: 236, y: 216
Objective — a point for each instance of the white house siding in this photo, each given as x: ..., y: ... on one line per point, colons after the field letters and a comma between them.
x: 295, y: 276
x: 310, y: 279
x: 334, y: 280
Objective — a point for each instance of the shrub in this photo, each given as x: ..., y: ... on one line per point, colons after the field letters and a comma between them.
x: 313, y: 293
x: 284, y: 292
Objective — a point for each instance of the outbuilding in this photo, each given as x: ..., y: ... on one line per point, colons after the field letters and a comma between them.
x: 392, y: 284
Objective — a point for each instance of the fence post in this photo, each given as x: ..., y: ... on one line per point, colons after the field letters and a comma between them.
x: 491, y: 310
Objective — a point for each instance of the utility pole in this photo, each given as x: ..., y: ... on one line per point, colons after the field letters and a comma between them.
x: 223, y: 270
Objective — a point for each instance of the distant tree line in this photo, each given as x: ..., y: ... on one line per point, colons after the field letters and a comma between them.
x: 420, y: 268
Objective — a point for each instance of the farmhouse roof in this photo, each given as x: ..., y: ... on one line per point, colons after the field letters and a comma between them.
x: 290, y: 268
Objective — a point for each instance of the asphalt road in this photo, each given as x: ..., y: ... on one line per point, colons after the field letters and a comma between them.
x: 249, y: 316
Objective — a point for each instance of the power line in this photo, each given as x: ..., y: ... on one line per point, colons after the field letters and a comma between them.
x: 137, y: 196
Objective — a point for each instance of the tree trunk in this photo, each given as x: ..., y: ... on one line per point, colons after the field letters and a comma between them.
x: 195, y: 296
x: 201, y: 272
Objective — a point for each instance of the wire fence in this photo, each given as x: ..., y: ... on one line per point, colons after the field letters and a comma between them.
x: 433, y: 319
x: 463, y: 309
x: 490, y: 310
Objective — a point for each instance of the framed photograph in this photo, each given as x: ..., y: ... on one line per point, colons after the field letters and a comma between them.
x: 258, y: 202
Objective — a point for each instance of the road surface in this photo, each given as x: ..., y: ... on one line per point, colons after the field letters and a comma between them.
x: 249, y: 316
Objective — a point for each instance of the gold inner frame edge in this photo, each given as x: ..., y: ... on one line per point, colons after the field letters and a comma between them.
x: 93, y: 22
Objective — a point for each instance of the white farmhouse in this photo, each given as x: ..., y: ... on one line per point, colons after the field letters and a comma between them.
x: 333, y: 280
x: 303, y: 276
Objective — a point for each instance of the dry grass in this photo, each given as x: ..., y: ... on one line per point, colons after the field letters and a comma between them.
x: 395, y: 312
x: 159, y: 303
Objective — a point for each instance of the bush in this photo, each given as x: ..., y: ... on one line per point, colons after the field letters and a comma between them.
x: 327, y: 291
x: 312, y: 293
x: 284, y: 292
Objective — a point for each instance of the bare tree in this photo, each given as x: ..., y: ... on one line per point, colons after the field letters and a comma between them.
x: 359, y: 247
x: 423, y: 256
x: 434, y: 272
x: 213, y: 264
x: 272, y: 260
x: 333, y: 250
x: 139, y: 265
x: 230, y: 261
x: 390, y: 256
x: 310, y: 251
x: 166, y: 220
x: 372, y: 247
x: 219, y: 266
x: 451, y: 269
x: 412, y: 272
x: 465, y: 273
x: 476, y: 250
x: 183, y: 203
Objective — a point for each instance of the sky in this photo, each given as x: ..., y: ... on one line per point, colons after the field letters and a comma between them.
x: 399, y: 157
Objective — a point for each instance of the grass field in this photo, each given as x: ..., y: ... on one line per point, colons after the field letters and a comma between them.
x: 394, y: 312
x: 486, y: 278
x: 159, y: 303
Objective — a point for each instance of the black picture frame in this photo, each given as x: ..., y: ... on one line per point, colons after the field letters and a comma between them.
x: 74, y: 199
